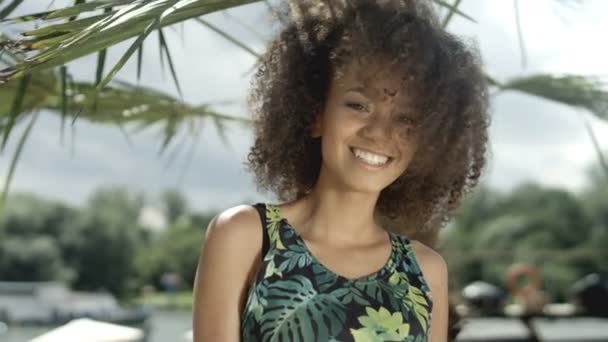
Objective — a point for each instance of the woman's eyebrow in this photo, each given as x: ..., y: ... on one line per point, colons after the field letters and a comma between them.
x: 363, y: 90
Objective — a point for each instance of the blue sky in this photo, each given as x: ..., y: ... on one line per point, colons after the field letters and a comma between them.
x: 531, y: 139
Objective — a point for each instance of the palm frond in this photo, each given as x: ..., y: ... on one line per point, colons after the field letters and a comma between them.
x: 574, y: 90
x: 520, y: 35
x: 8, y: 9
x: 452, y: 10
x: 246, y: 26
x: 64, y: 98
x: 58, y: 45
x: 15, y: 159
x: 120, y: 104
x: 15, y: 110
x: 581, y: 92
x: 164, y: 45
x: 596, y: 146
x: 227, y: 37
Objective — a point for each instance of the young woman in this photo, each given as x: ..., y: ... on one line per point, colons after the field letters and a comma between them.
x: 366, y: 114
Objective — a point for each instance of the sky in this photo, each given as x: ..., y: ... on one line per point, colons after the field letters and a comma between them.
x: 530, y: 139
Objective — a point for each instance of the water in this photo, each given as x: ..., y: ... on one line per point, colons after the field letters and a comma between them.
x: 166, y: 326
x: 170, y: 326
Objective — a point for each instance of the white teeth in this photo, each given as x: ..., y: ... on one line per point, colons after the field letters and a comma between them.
x: 370, y: 158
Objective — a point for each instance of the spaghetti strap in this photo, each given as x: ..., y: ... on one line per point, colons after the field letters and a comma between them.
x: 261, y: 209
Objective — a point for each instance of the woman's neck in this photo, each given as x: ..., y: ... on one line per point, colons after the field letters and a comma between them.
x: 336, y: 217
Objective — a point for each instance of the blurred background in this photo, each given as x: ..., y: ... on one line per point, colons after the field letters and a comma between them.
x: 103, y: 211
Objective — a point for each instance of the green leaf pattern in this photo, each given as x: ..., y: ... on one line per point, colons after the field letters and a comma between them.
x: 381, y: 325
x: 295, y: 298
x: 274, y: 221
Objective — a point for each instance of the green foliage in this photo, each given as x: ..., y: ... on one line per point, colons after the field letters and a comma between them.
x: 175, y: 250
x: 322, y: 309
x: 182, y: 300
x: 175, y: 205
x: 32, y: 259
x: 100, y: 245
x: 563, y: 235
x: 17, y: 218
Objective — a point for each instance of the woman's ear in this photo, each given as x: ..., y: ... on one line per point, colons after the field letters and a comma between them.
x: 315, y: 129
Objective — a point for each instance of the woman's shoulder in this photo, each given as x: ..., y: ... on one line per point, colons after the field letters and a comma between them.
x: 435, y: 273
x: 227, y: 263
x: 237, y: 226
x: 236, y: 215
x: 432, y: 264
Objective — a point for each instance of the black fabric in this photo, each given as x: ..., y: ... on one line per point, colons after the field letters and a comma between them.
x: 294, y: 297
x: 261, y: 209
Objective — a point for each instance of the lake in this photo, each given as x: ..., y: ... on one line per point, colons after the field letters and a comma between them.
x: 170, y: 326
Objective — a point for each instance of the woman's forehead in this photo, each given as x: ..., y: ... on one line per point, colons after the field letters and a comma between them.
x: 375, y: 79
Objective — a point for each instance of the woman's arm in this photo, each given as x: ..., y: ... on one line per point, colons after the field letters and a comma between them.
x: 226, y: 266
x: 435, y: 272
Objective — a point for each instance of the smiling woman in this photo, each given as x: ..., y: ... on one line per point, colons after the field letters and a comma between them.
x: 362, y: 128
x: 363, y: 111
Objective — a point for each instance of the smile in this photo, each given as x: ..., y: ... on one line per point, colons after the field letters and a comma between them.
x: 371, y: 159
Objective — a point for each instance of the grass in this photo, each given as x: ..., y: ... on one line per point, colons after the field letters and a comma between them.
x: 179, y: 301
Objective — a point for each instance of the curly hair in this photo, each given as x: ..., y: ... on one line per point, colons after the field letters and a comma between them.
x: 442, y: 72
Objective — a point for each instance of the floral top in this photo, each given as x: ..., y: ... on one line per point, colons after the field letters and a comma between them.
x: 296, y: 298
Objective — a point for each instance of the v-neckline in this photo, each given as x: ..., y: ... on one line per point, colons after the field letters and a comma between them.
x: 387, y: 267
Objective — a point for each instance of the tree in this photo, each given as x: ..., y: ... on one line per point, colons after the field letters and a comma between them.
x: 545, y: 227
x: 32, y: 259
x: 175, y: 205
x: 107, y: 238
x: 31, y: 235
x: 176, y: 250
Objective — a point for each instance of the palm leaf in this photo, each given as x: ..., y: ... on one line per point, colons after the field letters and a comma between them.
x: 324, y: 279
x: 165, y: 48
x: 127, y: 103
x: 520, y: 36
x: 124, y: 22
x: 120, y: 103
x: 416, y: 301
x: 452, y: 10
x: 16, y: 156
x: 578, y: 91
x: 293, y: 306
x: 8, y: 9
x: 296, y: 257
x: 15, y: 110
x: 60, y: 43
x: 596, y: 146
x: 64, y: 98
x: 227, y: 37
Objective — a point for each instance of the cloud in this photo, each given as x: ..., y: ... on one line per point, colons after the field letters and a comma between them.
x: 533, y: 139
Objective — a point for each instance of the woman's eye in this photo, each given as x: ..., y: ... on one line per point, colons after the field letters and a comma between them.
x: 405, y: 120
x: 356, y: 106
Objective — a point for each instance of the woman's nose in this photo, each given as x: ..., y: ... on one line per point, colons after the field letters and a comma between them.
x: 379, y: 128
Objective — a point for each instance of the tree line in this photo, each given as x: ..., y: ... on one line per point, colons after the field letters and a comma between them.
x: 102, y: 245
x: 105, y: 245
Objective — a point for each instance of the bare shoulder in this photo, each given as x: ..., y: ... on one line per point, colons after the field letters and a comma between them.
x: 234, y: 224
x: 435, y: 272
x: 432, y: 264
x: 233, y: 239
x: 227, y: 263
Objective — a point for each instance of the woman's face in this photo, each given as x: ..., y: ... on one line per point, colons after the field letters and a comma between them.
x: 367, y: 129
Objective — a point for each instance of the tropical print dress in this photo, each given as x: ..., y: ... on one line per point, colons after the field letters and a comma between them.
x: 296, y: 298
